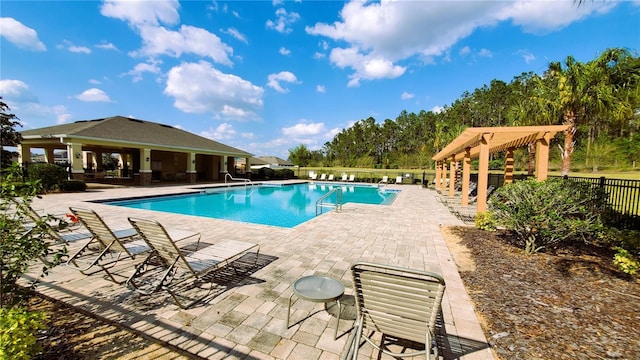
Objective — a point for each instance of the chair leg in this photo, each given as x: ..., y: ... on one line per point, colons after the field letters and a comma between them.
x: 289, y: 309
x: 335, y: 334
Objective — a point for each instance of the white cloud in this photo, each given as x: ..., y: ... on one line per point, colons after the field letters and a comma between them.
x: 527, y: 56
x: 79, y: 49
x: 485, y: 53
x: 20, y: 35
x: 248, y: 135
x: 188, y: 39
x: 149, y: 67
x: 26, y: 105
x: 437, y: 109
x: 201, y: 88
x: 283, y: 76
x: 321, y: 89
x: 107, y: 46
x: 95, y: 82
x: 429, y: 29
x: 284, y: 51
x: 61, y: 113
x: 406, y: 96
x: 138, y: 13
x: 304, y: 129
x: 540, y: 17
x: 464, y: 51
x: 236, y: 34
x: 93, y: 95
x: 224, y: 131
x: 283, y: 21
x: 16, y: 91
x: 366, y: 66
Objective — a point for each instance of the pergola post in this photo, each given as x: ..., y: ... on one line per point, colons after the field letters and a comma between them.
x: 483, y: 172
x: 452, y: 177
x: 436, y: 180
x: 466, y: 176
x: 508, y: 166
x: 542, y: 156
x: 443, y: 181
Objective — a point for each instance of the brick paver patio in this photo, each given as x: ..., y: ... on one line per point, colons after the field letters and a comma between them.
x: 245, y: 316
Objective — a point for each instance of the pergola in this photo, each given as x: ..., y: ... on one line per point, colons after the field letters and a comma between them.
x: 480, y: 143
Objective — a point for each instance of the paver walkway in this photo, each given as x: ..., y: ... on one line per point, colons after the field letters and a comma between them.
x: 245, y: 317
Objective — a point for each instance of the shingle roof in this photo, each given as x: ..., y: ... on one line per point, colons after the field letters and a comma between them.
x: 275, y: 160
x: 134, y: 131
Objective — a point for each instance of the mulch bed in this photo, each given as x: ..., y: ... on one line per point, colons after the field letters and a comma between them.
x: 572, y: 304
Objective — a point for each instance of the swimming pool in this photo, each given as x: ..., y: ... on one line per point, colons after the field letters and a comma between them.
x: 282, y: 205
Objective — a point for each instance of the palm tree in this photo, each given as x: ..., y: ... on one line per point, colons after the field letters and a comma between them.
x: 583, y: 92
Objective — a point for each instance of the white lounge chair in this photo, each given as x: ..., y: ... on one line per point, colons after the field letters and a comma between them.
x: 352, y: 178
x: 106, y: 246
x: 330, y: 177
x: 398, y: 179
x: 323, y: 177
x: 344, y: 177
x: 385, y: 180
x: 176, y: 266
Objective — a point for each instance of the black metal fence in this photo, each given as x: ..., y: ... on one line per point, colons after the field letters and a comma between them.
x: 622, y: 197
x: 622, y: 209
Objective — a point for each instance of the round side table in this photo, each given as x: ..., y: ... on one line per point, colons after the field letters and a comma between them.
x: 319, y: 289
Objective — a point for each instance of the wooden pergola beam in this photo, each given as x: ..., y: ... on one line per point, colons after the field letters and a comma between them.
x: 479, y: 143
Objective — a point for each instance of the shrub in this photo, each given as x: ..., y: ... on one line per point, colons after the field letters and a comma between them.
x: 18, y: 329
x: 485, y: 221
x: 73, y: 185
x: 546, y: 214
x: 19, y: 248
x: 50, y: 175
x: 626, y: 262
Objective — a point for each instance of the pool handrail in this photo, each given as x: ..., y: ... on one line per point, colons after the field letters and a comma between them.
x: 227, y: 175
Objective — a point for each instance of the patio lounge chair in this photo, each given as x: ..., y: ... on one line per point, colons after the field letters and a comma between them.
x: 58, y: 228
x: 106, y: 247
x: 313, y: 175
x: 398, y: 302
x: 344, y: 177
x: 323, y: 177
x: 352, y: 178
x: 385, y: 180
x: 176, y: 265
x: 398, y: 179
x: 330, y: 177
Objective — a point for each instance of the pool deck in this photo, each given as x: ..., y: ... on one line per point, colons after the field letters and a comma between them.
x: 245, y: 317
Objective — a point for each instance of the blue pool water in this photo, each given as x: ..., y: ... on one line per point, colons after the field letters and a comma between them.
x: 284, y: 206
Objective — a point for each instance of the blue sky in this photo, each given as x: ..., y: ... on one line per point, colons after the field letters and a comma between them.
x: 266, y: 76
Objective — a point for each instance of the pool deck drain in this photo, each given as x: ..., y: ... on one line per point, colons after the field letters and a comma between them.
x: 245, y: 318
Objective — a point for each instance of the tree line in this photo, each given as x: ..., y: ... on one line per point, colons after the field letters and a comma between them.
x: 599, y: 100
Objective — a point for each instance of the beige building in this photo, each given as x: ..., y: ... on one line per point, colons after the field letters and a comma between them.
x: 146, y: 152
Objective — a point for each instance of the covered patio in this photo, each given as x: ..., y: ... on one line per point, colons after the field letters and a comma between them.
x: 479, y: 143
x: 146, y: 152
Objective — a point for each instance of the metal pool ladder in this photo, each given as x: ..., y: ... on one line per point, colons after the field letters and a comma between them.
x: 320, y: 203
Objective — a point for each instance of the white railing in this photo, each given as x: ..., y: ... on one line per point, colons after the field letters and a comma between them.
x: 228, y: 176
x: 320, y: 203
